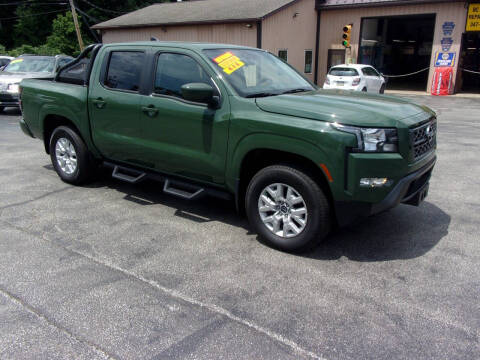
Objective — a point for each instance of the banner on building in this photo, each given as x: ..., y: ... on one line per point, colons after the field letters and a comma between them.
x: 445, y: 59
x: 473, y: 17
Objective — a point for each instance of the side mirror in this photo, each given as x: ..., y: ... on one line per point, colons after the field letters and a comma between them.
x: 198, y: 92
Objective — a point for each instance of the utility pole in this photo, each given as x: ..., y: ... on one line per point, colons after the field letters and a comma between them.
x: 77, y: 28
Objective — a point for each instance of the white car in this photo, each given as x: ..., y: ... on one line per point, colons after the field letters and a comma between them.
x: 4, y: 61
x: 356, y: 77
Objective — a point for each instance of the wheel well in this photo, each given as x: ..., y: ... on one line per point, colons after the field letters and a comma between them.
x: 50, y: 123
x: 258, y: 159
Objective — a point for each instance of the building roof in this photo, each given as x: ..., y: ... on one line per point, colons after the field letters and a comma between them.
x: 336, y: 4
x: 195, y: 12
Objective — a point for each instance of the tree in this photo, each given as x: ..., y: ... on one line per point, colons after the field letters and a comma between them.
x: 63, y: 36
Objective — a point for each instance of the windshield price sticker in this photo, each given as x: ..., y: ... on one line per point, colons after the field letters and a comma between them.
x: 16, y: 61
x: 229, y: 62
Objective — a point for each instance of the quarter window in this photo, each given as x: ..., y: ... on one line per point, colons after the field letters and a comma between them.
x: 308, y: 61
x: 174, y: 71
x: 124, y: 70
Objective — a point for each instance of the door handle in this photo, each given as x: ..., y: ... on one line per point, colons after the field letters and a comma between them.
x: 150, y: 110
x: 99, y: 103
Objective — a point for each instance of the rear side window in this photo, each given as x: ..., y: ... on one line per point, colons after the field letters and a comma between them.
x: 175, y: 70
x: 124, y: 70
x: 338, y: 71
x: 370, y: 71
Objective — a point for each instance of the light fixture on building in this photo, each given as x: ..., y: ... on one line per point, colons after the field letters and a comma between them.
x: 296, y: 14
x: 248, y: 25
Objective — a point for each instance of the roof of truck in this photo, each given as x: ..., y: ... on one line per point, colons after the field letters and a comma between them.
x: 183, y: 44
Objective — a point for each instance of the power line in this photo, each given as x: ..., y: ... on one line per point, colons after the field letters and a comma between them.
x: 33, y: 3
x: 37, y: 14
x: 102, y: 9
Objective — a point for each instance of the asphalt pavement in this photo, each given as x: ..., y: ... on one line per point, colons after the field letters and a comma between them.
x: 113, y: 270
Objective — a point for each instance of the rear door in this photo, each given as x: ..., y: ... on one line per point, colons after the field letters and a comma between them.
x: 114, y: 103
x: 182, y: 137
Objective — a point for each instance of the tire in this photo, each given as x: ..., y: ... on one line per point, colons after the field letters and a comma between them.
x: 82, y: 170
x: 364, y: 89
x: 382, y: 89
x: 316, y: 222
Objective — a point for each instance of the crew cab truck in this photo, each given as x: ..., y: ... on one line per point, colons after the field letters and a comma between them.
x: 235, y: 122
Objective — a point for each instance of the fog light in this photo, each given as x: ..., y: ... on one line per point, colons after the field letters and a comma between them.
x: 374, y: 182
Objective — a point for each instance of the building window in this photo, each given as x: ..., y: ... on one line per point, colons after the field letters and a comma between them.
x: 308, y: 61
x: 283, y: 54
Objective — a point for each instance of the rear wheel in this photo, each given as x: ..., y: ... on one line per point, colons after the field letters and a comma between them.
x: 287, y: 208
x: 382, y: 89
x: 70, y: 156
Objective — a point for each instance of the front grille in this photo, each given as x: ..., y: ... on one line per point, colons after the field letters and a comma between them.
x: 423, y: 138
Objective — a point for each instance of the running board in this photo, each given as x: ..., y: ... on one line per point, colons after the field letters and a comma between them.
x: 129, y: 175
x: 182, y: 190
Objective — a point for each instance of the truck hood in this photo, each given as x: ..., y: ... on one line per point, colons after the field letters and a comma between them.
x: 346, y: 107
x: 12, y: 78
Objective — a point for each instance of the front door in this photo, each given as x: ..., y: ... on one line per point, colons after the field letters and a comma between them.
x: 114, y: 102
x: 181, y: 137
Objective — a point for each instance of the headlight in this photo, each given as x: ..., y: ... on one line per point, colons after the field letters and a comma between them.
x: 13, y: 88
x: 372, y: 139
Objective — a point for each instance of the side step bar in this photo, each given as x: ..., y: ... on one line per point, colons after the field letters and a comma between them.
x: 183, y: 190
x: 129, y: 175
x: 176, y: 187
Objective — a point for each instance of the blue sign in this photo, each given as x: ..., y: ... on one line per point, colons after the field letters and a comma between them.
x: 446, y: 43
x: 445, y: 59
x: 448, y: 27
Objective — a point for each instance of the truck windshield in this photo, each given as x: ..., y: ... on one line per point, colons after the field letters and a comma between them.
x: 31, y: 64
x: 256, y: 73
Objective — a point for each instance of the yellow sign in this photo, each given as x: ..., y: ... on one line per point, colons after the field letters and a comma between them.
x: 473, y: 17
x: 229, y: 62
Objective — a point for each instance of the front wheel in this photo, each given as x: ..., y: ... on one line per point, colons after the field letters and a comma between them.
x: 70, y: 156
x: 287, y: 208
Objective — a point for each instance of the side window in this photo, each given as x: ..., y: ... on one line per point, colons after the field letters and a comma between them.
x: 374, y: 72
x: 124, y: 70
x: 175, y: 70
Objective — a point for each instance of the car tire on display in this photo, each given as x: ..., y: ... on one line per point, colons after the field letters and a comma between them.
x: 382, y: 89
x: 287, y: 208
x: 70, y: 156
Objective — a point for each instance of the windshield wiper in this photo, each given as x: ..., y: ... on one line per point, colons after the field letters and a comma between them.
x: 260, y: 94
x: 292, y: 91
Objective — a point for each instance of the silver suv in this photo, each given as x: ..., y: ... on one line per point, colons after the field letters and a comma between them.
x: 23, y: 67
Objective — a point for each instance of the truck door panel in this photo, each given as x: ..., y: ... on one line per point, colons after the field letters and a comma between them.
x: 181, y: 137
x: 114, y: 101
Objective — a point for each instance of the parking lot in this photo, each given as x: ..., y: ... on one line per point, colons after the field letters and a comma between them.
x: 113, y: 270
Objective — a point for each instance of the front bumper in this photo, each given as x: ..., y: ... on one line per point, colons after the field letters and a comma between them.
x: 9, y: 100
x: 411, y: 189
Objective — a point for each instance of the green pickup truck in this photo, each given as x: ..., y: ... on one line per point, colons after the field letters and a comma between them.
x: 233, y: 122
